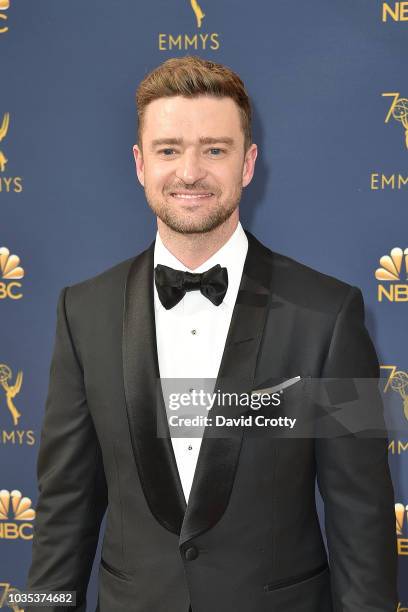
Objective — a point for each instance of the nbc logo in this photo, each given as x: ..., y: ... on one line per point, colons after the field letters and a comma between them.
x: 4, y: 5
x: 401, y: 514
x: 397, y: 11
x: 391, y: 271
x: 10, y: 270
x: 17, y: 514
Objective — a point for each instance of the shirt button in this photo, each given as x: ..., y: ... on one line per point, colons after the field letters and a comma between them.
x: 190, y: 447
x: 194, y: 332
x: 191, y: 553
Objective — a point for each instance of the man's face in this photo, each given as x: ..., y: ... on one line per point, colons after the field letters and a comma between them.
x: 192, y: 163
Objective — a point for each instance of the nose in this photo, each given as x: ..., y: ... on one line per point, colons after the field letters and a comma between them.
x: 189, y: 167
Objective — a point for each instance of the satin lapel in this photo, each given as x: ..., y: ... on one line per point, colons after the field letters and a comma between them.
x: 218, y: 458
x: 154, y: 455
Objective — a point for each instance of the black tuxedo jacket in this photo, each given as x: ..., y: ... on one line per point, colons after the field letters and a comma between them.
x: 249, y: 538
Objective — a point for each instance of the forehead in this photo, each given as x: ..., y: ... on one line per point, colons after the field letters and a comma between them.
x: 191, y: 118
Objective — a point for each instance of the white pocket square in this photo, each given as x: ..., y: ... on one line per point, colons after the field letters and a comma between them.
x: 283, y: 385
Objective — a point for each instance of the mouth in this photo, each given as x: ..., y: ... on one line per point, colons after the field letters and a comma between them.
x: 191, y: 197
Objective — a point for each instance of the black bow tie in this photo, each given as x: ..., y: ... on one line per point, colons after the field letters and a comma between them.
x: 172, y: 284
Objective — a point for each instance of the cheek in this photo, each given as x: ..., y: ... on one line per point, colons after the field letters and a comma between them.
x: 231, y: 176
x: 156, y: 175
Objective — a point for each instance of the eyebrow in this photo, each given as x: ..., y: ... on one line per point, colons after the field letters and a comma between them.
x: 203, y: 140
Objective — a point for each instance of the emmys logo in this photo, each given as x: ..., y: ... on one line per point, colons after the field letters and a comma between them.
x: 4, y: 5
x: 10, y: 270
x: 7, y: 184
x: 11, y: 390
x: 401, y: 513
x: 197, y: 40
x: 391, y: 270
x: 399, y: 112
x: 5, y: 589
x: 397, y: 11
x: 197, y: 12
x: 397, y: 381
x: 3, y: 133
x: 15, y: 436
x: 18, y: 515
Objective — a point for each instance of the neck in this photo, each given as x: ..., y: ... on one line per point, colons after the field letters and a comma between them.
x: 194, y: 249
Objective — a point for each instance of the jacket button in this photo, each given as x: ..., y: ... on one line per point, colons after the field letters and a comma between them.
x: 191, y: 553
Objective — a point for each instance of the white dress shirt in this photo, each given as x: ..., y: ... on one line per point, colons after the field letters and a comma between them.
x: 191, y: 336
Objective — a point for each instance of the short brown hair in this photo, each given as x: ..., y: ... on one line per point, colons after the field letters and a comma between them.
x: 191, y: 76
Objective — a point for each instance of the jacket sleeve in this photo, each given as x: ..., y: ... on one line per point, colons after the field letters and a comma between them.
x: 355, y: 483
x: 71, y: 482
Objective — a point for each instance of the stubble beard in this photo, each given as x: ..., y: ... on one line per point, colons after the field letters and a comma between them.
x: 190, y: 223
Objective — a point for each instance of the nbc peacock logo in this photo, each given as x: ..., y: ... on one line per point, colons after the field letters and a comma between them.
x: 16, y: 516
x: 4, y: 6
x: 393, y: 269
x: 196, y: 40
x: 10, y: 273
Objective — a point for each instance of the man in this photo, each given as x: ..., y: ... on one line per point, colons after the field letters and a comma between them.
x: 212, y: 523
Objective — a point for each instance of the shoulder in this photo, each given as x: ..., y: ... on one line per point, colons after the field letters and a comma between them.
x: 102, y: 290
x: 302, y: 285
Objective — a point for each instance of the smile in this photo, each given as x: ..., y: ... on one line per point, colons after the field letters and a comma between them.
x: 191, y: 196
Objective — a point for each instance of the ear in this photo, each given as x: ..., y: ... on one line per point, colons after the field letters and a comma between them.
x: 137, y: 153
x: 249, y: 165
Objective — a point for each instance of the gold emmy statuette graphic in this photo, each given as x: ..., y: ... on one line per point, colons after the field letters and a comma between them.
x: 391, y: 265
x: 3, y: 133
x: 11, y: 390
x: 21, y: 506
x: 399, y: 111
x: 400, y: 511
x: 198, y: 12
x: 9, y: 265
x: 5, y: 589
x: 4, y: 5
x: 398, y: 381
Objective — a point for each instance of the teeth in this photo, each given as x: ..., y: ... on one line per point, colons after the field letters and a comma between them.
x: 191, y: 196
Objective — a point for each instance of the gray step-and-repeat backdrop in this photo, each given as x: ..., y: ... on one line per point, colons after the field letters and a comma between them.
x: 328, y: 82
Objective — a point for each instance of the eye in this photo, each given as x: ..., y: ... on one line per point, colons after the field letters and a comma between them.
x: 216, y: 151
x: 166, y: 152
